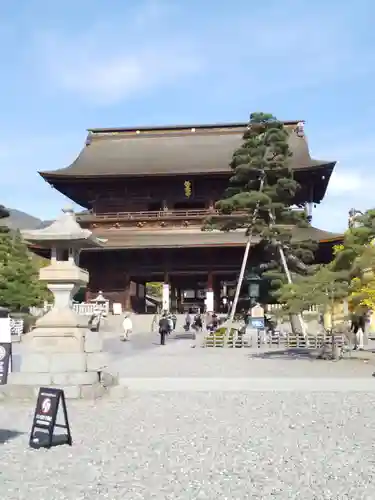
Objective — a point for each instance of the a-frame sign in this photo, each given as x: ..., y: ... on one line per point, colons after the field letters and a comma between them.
x: 45, y: 416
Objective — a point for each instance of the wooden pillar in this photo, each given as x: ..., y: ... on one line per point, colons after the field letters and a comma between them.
x: 141, y: 299
x: 217, y: 294
x: 127, y: 299
x: 210, y: 282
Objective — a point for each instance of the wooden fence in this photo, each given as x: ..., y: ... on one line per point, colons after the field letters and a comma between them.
x: 267, y: 341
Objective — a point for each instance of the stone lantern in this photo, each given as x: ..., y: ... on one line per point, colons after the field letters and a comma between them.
x: 61, y: 350
x: 65, y: 238
x: 101, y: 303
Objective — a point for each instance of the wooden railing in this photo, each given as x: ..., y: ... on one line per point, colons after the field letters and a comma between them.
x: 159, y: 214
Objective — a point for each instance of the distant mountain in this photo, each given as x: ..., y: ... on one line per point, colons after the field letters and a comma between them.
x: 18, y: 220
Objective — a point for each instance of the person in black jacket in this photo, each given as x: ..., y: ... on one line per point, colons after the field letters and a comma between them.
x: 164, y: 328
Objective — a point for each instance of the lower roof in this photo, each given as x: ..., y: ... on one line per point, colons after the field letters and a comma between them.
x: 133, y: 239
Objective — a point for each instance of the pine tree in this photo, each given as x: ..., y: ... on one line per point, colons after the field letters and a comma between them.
x: 261, y: 193
x: 20, y: 287
x: 323, y: 288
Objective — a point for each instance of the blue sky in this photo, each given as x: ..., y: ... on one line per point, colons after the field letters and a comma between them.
x: 71, y: 65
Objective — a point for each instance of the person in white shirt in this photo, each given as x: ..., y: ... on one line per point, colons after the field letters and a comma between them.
x: 127, y: 326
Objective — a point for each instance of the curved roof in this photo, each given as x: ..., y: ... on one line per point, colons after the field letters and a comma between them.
x: 196, y: 149
x: 125, y: 238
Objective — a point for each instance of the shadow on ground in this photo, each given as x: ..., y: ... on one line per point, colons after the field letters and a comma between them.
x: 178, y: 336
x: 6, y: 435
x: 292, y: 354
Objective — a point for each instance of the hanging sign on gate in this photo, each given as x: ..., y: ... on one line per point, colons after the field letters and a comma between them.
x: 257, y: 317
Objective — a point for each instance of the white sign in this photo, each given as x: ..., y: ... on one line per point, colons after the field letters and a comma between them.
x: 210, y: 301
x: 5, y: 332
x: 257, y: 311
x: 166, y: 299
x: 117, y: 308
x: 6, y: 336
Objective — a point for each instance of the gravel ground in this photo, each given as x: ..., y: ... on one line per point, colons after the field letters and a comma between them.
x: 199, y: 445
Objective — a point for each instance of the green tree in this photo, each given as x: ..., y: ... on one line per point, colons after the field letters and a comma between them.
x: 20, y: 287
x: 261, y: 193
x: 154, y: 288
x: 323, y: 288
x: 356, y: 238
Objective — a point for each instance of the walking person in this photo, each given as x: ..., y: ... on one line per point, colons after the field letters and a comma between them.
x: 358, y: 327
x: 197, y: 329
x: 187, y: 322
x: 127, y: 326
x: 164, y: 328
x: 174, y: 320
x: 170, y: 323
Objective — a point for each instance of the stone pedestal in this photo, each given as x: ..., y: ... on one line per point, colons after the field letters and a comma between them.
x: 61, y: 351
x: 70, y: 358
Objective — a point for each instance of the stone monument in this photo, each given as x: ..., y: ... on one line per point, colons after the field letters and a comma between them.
x: 61, y: 351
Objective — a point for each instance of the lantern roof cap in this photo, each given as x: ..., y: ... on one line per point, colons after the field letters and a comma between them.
x: 63, y: 232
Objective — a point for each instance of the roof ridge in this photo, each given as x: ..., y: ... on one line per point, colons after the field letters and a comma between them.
x: 159, y: 128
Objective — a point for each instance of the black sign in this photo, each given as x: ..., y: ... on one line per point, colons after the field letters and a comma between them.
x: 45, y: 416
x: 5, y: 356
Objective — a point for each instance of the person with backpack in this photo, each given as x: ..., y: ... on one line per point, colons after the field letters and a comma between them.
x: 164, y: 327
x: 198, y: 322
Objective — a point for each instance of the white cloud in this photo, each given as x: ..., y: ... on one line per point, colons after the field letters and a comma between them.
x: 110, y: 79
x: 352, y: 184
x: 107, y: 64
x: 276, y: 48
x: 343, y: 183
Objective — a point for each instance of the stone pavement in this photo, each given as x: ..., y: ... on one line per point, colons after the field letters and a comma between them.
x: 177, y: 366
x: 222, y: 443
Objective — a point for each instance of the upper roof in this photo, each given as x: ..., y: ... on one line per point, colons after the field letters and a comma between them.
x: 193, y: 149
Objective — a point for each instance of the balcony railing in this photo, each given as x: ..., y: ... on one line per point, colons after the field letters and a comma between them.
x: 159, y: 214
